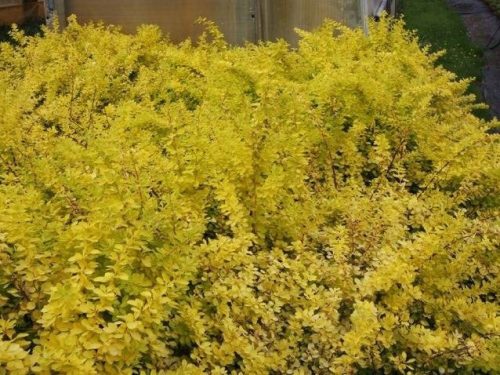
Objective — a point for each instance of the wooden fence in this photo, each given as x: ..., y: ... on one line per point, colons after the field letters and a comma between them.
x: 20, y: 11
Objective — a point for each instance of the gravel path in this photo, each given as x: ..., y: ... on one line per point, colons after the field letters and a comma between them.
x: 484, y: 29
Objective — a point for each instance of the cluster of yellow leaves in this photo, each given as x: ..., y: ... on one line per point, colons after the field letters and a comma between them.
x: 208, y: 209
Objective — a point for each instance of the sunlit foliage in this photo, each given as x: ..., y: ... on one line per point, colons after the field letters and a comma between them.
x: 258, y: 210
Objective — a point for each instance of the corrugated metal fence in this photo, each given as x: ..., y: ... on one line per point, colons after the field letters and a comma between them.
x: 240, y: 20
x: 281, y: 17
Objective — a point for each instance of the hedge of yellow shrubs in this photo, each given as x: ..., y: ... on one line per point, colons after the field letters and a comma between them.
x: 207, y: 209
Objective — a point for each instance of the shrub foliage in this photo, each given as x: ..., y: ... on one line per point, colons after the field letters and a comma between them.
x: 257, y: 210
x: 495, y: 5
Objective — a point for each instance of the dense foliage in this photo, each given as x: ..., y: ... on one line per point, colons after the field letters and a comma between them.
x: 259, y: 210
x: 495, y: 5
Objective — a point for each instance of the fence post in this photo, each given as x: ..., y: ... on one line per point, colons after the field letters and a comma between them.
x: 262, y: 23
x: 363, y: 5
x: 56, y: 8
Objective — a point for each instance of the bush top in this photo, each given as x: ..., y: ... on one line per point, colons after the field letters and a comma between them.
x: 188, y: 209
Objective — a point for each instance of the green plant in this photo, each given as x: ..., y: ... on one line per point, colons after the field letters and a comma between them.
x: 442, y: 28
x: 259, y: 210
x: 29, y: 28
x: 495, y: 5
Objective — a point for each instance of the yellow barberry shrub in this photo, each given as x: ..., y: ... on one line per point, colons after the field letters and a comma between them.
x: 208, y: 209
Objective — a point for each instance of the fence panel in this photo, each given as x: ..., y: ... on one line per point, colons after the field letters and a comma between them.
x: 176, y: 17
x: 240, y: 20
x: 19, y: 11
x: 281, y: 17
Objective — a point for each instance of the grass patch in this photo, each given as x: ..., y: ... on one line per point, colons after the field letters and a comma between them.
x: 438, y: 25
